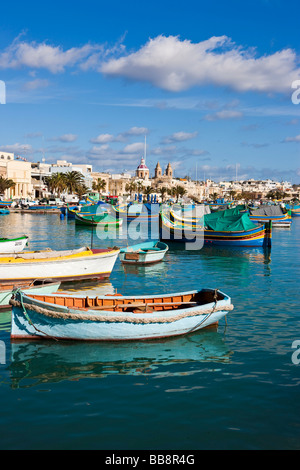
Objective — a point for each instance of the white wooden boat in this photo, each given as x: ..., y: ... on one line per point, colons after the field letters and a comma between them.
x: 115, y: 318
x: 68, y: 265
x: 144, y: 253
x: 45, y: 286
x: 13, y: 245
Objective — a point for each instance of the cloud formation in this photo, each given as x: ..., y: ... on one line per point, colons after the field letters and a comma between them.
x: 176, y: 65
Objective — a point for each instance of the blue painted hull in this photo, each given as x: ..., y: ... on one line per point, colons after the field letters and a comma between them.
x: 65, y: 316
x: 258, y: 237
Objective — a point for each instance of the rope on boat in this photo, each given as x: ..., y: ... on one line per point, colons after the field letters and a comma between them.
x: 117, y: 318
x: 21, y: 304
x: 209, y: 314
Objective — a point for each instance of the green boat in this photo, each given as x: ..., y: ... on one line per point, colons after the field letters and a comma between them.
x: 104, y: 220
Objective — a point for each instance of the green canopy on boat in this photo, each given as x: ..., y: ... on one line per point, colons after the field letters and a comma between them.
x: 230, y: 220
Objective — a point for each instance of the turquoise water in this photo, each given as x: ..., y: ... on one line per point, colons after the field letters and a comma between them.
x: 234, y: 388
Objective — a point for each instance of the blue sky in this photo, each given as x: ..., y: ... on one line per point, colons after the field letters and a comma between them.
x: 208, y: 83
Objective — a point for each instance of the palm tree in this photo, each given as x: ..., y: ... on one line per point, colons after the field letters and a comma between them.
x: 99, y: 186
x: 140, y: 187
x: 80, y: 190
x: 130, y: 187
x: 163, y: 191
x: 6, y: 183
x: 73, y: 179
x: 147, y: 191
x: 56, y: 183
x: 178, y: 191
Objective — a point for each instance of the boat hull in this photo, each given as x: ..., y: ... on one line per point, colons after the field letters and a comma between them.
x: 14, y: 245
x: 184, y: 233
x: 143, y: 253
x: 90, y: 264
x: 49, y: 321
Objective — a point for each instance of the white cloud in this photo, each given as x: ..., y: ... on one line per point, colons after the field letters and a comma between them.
x: 292, y: 139
x: 102, y: 139
x: 17, y: 148
x: 180, y: 137
x: 65, y: 138
x: 175, y: 65
x: 137, y: 147
x: 35, y: 84
x: 41, y: 55
x: 224, y: 114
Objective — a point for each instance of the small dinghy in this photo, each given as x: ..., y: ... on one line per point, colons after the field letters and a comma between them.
x: 144, y: 253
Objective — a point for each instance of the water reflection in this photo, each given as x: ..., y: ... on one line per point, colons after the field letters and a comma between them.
x: 33, y: 363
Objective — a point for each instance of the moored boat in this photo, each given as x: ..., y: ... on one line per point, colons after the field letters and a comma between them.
x: 67, y: 265
x: 115, y: 318
x: 142, y: 212
x: 44, y: 286
x: 4, y: 211
x: 144, y: 253
x: 219, y: 229
x: 7, y: 203
x: 13, y: 245
x: 275, y: 214
x: 104, y: 220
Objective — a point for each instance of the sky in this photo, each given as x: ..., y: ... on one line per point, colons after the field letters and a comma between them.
x: 211, y: 87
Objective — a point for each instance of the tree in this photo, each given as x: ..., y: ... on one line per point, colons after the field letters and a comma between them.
x: 80, y: 190
x: 99, y: 186
x: 147, y: 191
x: 130, y: 187
x: 73, y: 179
x: 56, y: 183
x: 6, y: 183
x: 163, y: 191
x: 178, y: 191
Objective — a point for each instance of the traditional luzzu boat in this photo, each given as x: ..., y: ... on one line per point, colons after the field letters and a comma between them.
x: 272, y: 213
x: 115, y: 318
x: 44, y: 286
x: 67, y: 265
x: 294, y: 209
x: 142, y: 212
x: 13, y: 245
x: 6, y: 203
x: 104, y: 220
x: 143, y: 253
x: 224, y: 228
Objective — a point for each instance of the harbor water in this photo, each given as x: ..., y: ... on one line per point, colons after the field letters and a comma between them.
x: 236, y: 387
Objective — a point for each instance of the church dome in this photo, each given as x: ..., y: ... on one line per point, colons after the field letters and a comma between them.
x: 142, y: 165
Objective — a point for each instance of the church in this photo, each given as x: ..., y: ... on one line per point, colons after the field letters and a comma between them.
x: 142, y: 172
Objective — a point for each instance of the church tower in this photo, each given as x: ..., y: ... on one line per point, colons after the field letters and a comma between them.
x: 158, y: 171
x: 169, y: 171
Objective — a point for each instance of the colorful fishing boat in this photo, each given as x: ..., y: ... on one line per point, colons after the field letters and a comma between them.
x: 272, y: 213
x: 105, y: 220
x: 67, y: 265
x: 6, y: 203
x: 218, y: 230
x: 115, y: 318
x: 294, y: 209
x: 44, y: 286
x: 13, y: 245
x: 143, y: 253
x: 142, y: 212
